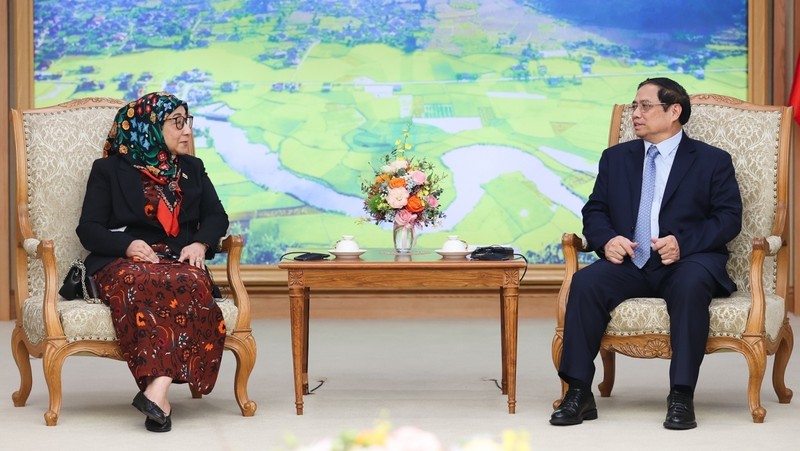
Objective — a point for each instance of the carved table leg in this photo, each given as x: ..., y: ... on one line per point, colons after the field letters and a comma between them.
x: 510, y: 293
x: 298, y: 314
x: 306, y: 315
x: 503, y: 355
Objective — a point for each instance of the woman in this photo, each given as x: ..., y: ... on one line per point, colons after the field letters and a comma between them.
x: 150, y: 218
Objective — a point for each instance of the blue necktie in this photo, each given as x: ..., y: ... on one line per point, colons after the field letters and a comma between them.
x: 642, y: 233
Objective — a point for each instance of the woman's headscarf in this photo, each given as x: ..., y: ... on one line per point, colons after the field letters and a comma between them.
x: 136, y: 135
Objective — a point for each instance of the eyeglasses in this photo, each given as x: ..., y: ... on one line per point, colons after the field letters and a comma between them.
x: 180, y: 121
x: 644, y: 106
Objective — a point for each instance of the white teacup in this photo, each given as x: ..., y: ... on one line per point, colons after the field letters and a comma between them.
x: 346, y: 244
x: 453, y: 244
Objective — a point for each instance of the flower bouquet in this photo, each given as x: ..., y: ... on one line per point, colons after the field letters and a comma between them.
x: 405, y: 193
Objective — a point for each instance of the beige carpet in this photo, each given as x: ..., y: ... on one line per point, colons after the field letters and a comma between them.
x: 431, y: 374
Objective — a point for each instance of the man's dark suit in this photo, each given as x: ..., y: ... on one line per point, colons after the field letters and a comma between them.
x: 701, y: 207
x: 114, y: 199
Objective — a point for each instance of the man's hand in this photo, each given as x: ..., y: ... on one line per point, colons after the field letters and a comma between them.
x: 667, y: 247
x: 194, y: 254
x: 617, y: 248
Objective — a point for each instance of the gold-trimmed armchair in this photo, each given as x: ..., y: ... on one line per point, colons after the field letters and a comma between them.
x: 54, y: 150
x: 753, y: 320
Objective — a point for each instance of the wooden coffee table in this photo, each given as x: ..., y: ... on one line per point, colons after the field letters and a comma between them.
x: 383, y: 269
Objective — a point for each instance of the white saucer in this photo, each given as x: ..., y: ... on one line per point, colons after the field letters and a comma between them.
x: 347, y: 254
x: 453, y: 255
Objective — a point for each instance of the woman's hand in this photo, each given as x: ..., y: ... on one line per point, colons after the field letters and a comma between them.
x: 194, y: 254
x: 139, y: 249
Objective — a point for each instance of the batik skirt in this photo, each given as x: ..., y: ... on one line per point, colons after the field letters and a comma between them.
x: 166, y: 320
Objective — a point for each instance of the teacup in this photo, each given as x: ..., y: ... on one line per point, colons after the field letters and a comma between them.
x: 346, y: 244
x: 453, y: 244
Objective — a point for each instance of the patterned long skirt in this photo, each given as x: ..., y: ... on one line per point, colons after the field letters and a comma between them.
x: 166, y: 320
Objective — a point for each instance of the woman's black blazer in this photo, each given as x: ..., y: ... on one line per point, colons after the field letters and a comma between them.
x: 113, y: 212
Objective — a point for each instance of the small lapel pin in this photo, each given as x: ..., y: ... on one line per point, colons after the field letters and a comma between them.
x: 185, y: 176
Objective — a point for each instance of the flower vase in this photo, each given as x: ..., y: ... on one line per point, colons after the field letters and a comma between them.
x: 404, y: 238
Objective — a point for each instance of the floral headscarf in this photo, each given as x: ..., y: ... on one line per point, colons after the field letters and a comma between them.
x: 136, y: 135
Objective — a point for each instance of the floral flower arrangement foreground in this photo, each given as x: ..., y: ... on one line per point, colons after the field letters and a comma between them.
x: 404, y: 192
x: 408, y: 438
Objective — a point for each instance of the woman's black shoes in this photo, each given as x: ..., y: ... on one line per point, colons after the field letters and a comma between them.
x: 153, y: 426
x: 150, y: 409
x: 157, y: 420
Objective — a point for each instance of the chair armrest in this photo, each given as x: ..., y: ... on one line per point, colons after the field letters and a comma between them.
x: 762, y: 248
x: 775, y: 243
x: 31, y: 247
x: 233, y: 245
x: 45, y: 251
x: 571, y: 244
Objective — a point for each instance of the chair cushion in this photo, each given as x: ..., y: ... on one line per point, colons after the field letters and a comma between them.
x: 84, y: 321
x: 638, y: 316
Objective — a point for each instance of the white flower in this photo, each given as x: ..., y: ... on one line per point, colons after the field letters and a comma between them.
x: 409, y: 438
x: 322, y: 445
x: 397, y: 197
x: 394, y: 166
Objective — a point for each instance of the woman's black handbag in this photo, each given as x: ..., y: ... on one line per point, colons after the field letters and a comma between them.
x: 77, y: 285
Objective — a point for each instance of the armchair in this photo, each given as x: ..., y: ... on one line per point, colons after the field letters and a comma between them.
x: 49, y: 195
x: 753, y: 320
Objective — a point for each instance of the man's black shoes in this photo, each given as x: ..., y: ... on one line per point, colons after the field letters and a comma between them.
x: 577, y: 405
x: 680, y: 411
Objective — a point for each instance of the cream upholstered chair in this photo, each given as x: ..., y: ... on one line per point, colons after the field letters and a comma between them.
x: 753, y: 320
x: 55, y: 148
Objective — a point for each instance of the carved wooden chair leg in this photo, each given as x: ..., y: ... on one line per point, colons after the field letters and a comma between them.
x: 21, y: 356
x: 609, y: 372
x: 564, y: 388
x: 757, y: 365
x: 244, y: 350
x: 779, y: 366
x: 558, y: 348
x: 53, y: 363
x: 195, y: 393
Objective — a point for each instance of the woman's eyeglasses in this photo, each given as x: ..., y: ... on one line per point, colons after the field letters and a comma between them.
x: 180, y: 121
x: 644, y: 106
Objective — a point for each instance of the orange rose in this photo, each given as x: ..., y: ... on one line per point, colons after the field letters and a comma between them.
x: 415, y: 204
x: 383, y: 178
x: 397, y: 182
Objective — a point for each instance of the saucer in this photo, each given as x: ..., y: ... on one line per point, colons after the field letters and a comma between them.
x: 453, y: 255
x: 344, y: 255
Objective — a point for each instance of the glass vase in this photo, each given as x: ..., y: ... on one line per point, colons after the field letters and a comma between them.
x: 404, y: 238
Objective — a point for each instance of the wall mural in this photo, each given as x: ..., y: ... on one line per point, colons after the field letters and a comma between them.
x: 295, y: 101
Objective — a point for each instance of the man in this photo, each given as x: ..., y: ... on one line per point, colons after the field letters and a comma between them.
x: 662, y: 209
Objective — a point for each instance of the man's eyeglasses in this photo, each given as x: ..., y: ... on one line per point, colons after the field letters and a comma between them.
x: 180, y: 121
x: 644, y: 106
